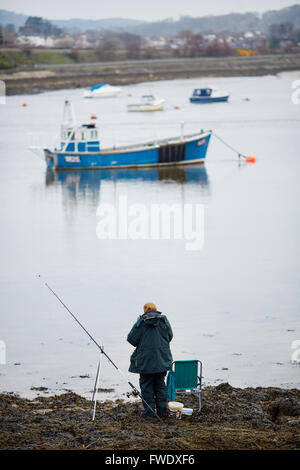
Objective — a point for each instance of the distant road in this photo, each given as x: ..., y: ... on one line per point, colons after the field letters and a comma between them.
x: 186, y: 60
x: 50, y: 77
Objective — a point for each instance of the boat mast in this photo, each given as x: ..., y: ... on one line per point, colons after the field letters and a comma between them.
x: 69, y: 119
x: 68, y: 122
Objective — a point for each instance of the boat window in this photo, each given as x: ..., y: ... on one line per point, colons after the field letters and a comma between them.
x: 70, y: 135
x: 82, y: 135
x: 93, y: 134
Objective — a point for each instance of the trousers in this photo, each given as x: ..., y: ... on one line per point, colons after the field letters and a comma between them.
x: 154, y: 392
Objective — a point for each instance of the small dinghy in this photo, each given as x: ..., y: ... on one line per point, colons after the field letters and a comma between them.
x: 103, y: 90
x: 148, y: 103
x: 208, y: 95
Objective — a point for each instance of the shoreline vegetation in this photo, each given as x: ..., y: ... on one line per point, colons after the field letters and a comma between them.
x: 231, y: 418
x: 39, y: 77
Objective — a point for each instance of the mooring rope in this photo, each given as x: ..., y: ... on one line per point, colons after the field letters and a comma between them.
x: 229, y: 146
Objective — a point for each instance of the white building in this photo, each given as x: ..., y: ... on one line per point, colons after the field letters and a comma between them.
x: 36, y: 41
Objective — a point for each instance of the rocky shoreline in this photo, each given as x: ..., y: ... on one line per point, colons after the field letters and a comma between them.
x: 231, y: 418
x: 55, y: 77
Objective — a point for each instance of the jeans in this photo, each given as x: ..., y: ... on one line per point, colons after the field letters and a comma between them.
x: 154, y: 392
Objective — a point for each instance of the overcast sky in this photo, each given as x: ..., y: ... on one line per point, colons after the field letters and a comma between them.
x: 147, y: 10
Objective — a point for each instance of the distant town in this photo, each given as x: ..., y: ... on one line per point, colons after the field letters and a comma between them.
x: 34, y: 40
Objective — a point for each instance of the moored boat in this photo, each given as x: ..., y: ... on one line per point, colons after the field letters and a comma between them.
x: 147, y: 103
x: 102, y: 90
x: 80, y: 149
x: 208, y: 95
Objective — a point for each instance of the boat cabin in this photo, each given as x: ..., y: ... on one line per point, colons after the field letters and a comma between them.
x: 97, y: 87
x: 148, y: 98
x: 83, y: 138
x: 202, y: 92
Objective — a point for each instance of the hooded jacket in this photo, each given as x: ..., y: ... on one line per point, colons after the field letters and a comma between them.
x: 151, y: 335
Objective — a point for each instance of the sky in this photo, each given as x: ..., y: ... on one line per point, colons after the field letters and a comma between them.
x: 147, y: 10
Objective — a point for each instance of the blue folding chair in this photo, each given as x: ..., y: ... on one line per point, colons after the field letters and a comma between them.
x: 188, y: 377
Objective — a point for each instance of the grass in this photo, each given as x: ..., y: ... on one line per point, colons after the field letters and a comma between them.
x: 42, y: 57
x: 11, y: 58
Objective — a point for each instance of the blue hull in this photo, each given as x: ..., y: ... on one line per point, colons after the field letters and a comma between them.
x: 190, y: 150
x: 208, y: 100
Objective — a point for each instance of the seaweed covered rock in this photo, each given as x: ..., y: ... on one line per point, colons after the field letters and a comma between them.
x: 231, y: 418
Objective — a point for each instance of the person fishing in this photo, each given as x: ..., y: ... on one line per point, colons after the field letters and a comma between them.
x: 152, y: 358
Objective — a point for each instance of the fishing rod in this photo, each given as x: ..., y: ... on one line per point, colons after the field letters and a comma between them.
x: 135, y: 390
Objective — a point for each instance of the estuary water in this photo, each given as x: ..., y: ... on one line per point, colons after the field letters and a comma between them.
x: 233, y: 303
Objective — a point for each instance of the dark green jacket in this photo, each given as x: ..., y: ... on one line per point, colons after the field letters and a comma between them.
x: 151, y: 335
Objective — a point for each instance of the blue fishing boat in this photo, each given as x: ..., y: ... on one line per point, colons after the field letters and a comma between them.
x: 80, y: 149
x: 208, y: 95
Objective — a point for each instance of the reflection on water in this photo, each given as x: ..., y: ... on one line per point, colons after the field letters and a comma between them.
x: 83, y: 184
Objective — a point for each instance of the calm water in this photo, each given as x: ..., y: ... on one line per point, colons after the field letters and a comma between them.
x: 234, y: 304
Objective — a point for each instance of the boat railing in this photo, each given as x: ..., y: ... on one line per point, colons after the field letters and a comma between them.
x: 156, y: 142
x: 38, y: 141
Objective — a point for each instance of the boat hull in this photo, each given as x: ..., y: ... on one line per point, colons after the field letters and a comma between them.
x: 216, y: 99
x: 140, y: 108
x: 105, y: 92
x: 181, y: 152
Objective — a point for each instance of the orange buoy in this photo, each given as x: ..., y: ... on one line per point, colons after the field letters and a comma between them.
x: 93, y: 116
x: 176, y: 107
x: 250, y: 159
x: 24, y: 104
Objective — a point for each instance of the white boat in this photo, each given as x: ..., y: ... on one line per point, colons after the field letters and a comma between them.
x: 148, y: 103
x: 102, y: 90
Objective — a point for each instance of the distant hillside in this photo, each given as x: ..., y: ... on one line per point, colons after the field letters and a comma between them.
x: 113, y: 24
x: 234, y: 22
x: 291, y: 14
x: 9, y: 17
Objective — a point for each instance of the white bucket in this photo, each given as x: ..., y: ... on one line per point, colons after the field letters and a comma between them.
x: 187, y: 411
x: 175, y: 409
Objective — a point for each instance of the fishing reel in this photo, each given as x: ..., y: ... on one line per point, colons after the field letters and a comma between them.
x: 134, y: 393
